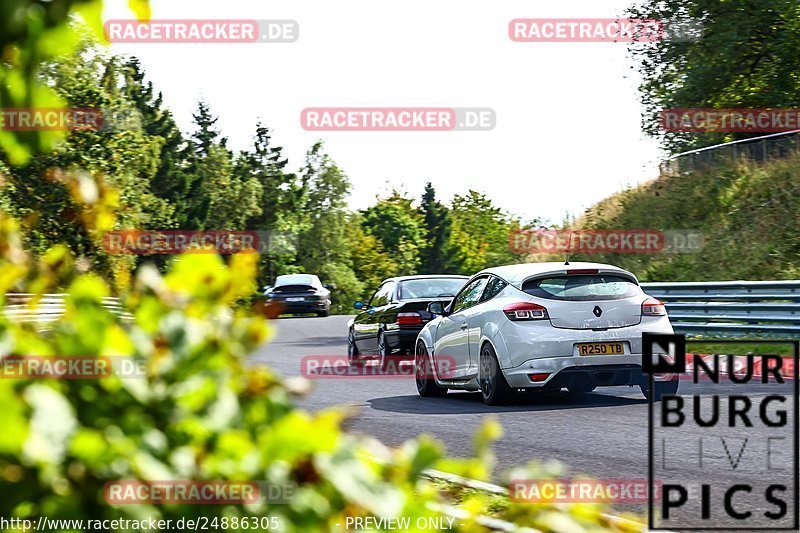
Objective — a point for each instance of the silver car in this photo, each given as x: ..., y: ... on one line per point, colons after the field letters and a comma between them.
x: 541, y: 326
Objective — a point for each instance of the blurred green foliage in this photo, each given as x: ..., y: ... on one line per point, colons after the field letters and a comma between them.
x: 33, y: 32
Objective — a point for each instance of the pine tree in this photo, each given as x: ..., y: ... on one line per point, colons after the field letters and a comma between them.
x: 172, y: 181
x: 208, y: 148
x: 437, y: 255
x: 279, y: 198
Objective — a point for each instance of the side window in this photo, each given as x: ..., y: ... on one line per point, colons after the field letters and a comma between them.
x: 376, y: 298
x: 493, y: 288
x: 470, y: 295
x: 382, y: 295
x: 389, y: 292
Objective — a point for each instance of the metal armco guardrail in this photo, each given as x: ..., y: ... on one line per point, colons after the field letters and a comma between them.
x: 23, y: 307
x: 728, y: 308
x: 763, y: 148
x: 719, y: 308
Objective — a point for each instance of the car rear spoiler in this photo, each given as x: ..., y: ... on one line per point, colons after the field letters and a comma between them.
x: 577, y: 271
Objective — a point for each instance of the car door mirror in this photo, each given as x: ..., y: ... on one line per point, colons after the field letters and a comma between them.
x: 330, y: 286
x: 437, y: 308
x: 359, y: 305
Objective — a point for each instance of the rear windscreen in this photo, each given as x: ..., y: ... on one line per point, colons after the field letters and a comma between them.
x: 293, y: 288
x: 430, y: 288
x: 294, y: 279
x: 582, y: 288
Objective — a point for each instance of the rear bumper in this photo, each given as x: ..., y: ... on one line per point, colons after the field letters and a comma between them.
x: 311, y: 306
x: 524, y: 342
x: 599, y: 371
x: 403, y: 338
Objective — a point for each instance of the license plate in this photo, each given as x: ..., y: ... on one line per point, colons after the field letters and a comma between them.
x: 601, y: 348
x: 295, y: 299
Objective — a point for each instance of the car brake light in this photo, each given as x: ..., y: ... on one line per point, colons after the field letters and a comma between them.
x: 582, y: 271
x: 408, y: 319
x: 538, y: 378
x: 653, y: 307
x: 525, y: 311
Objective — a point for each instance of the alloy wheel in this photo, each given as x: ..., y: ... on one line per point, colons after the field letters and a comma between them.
x: 487, y: 372
x: 420, y: 364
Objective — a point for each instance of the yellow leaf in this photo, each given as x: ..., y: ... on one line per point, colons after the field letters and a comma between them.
x: 141, y: 8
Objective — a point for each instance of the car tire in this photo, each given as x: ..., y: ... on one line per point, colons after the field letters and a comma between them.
x: 662, y: 388
x: 384, y: 357
x: 352, y: 349
x: 494, y: 387
x: 324, y: 313
x: 423, y: 370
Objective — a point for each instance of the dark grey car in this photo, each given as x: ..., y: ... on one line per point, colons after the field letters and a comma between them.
x: 297, y: 294
x: 387, y: 325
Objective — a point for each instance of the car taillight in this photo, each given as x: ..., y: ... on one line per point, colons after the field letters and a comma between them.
x: 408, y: 319
x: 653, y: 307
x: 525, y: 311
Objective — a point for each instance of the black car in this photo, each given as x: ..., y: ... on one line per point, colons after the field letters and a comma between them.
x: 298, y: 293
x: 388, y: 324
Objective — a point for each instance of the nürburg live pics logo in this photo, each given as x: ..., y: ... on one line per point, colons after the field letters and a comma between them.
x: 723, y: 449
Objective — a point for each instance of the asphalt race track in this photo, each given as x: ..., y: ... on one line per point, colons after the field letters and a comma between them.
x: 602, y: 434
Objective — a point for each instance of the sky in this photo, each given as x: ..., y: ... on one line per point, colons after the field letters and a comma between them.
x: 568, y: 127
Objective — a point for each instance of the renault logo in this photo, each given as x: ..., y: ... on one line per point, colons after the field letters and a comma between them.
x: 597, y: 311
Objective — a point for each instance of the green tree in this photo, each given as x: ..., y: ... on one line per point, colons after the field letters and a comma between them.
x: 436, y: 254
x: 121, y: 155
x: 232, y: 198
x: 398, y: 226
x: 33, y: 33
x: 480, y: 233
x: 279, y: 198
x: 370, y: 261
x: 171, y: 180
x: 323, y: 240
x: 745, y: 56
x: 219, y: 198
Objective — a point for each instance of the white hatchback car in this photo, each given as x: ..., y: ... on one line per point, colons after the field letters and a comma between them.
x: 541, y: 326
